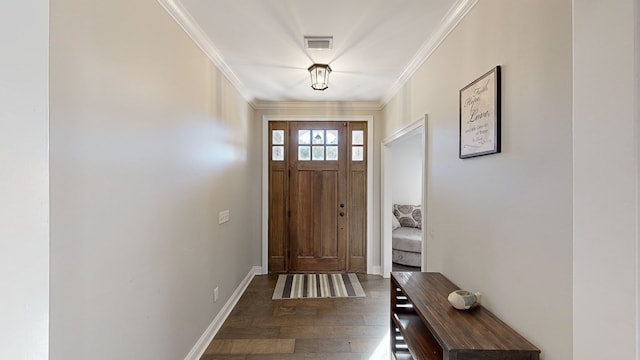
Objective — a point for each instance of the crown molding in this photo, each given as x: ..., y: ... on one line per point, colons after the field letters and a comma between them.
x: 177, y: 11
x: 318, y: 105
x: 453, y: 17
x: 195, y: 32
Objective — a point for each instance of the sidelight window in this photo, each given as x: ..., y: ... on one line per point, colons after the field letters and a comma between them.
x: 357, y: 145
x: 277, y: 145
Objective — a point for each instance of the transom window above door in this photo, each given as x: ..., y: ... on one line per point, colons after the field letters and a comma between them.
x: 317, y: 145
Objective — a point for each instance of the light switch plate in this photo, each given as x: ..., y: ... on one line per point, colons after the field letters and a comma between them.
x: 223, y: 216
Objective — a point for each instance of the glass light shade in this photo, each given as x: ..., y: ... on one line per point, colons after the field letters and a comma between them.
x: 319, y: 76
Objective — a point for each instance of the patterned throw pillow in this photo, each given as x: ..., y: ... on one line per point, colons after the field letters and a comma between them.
x: 394, y: 222
x: 409, y: 215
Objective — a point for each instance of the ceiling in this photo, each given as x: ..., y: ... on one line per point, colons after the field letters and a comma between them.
x: 259, y: 44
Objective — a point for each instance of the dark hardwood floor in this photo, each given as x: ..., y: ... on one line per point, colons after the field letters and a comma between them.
x: 328, y: 329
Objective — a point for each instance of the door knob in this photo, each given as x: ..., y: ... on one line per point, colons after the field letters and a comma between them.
x: 341, y: 213
x: 341, y: 205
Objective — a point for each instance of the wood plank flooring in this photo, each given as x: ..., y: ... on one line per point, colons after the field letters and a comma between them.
x: 328, y: 329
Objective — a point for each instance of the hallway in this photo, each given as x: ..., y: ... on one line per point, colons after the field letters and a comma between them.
x: 328, y: 329
x: 124, y: 140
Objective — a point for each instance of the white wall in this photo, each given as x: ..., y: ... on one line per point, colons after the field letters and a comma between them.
x: 24, y: 179
x: 148, y: 143
x: 502, y: 224
x: 606, y: 159
x: 406, y: 170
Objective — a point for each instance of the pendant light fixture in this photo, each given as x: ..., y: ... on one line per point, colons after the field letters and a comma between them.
x: 319, y: 76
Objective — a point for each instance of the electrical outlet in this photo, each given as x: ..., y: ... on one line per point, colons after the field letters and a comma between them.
x: 215, y: 294
x: 223, y: 216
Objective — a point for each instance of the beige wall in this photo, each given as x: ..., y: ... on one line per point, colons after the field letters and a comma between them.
x: 502, y: 224
x: 148, y: 143
x: 606, y: 135
x: 406, y: 169
x: 24, y: 179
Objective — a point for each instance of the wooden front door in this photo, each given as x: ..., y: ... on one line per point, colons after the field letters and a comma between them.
x: 317, y: 196
x: 317, y: 189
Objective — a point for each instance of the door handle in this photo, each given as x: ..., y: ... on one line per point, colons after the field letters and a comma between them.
x: 341, y: 213
x: 341, y: 205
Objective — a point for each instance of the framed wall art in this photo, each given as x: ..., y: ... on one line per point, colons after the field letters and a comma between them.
x: 480, y: 116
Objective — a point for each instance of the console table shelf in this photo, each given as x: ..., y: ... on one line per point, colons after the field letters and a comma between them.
x: 425, y: 326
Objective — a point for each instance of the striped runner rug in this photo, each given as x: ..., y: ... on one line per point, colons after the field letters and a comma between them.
x: 308, y: 286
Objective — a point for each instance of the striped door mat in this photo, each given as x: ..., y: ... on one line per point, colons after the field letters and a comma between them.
x: 308, y: 286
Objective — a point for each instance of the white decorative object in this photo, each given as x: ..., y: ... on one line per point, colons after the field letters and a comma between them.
x: 464, y: 300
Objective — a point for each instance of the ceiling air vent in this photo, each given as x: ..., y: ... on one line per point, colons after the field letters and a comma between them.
x: 318, y: 42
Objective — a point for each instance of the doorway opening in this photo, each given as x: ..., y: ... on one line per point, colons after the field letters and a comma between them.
x: 404, y: 197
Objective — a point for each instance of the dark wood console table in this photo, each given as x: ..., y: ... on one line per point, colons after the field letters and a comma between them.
x: 425, y: 326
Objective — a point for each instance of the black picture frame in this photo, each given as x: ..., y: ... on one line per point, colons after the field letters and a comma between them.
x: 480, y: 109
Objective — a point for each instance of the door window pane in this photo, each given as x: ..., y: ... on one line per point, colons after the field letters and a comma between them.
x: 357, y: 137
x: 357, y: 153
x: 318, y: 153
x: 332, y: 137
x: 332, y: 153
x: 277, y: 137
x: 277, y: 153
x: 318, y: 145
x: 318, y: 136
x: 304, y: 152
x: 304, y: 137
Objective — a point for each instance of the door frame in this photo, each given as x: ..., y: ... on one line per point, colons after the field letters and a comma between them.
x: 420, y: 125
x: 265, y: 177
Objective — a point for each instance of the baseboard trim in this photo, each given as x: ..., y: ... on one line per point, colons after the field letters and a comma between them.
x: 201, y: 345
x: 376, y: 270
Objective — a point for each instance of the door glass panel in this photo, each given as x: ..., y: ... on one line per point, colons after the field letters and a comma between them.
x: 332, y: 137
x: 277, y: 137
x: 357, y: 137
x: 357, y: 153
x: 304, y: 152
x: 318, y: 136
x: 318, y: 153
x: 332, y: 152
x: 304, y: 137
x: 277, y: 153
